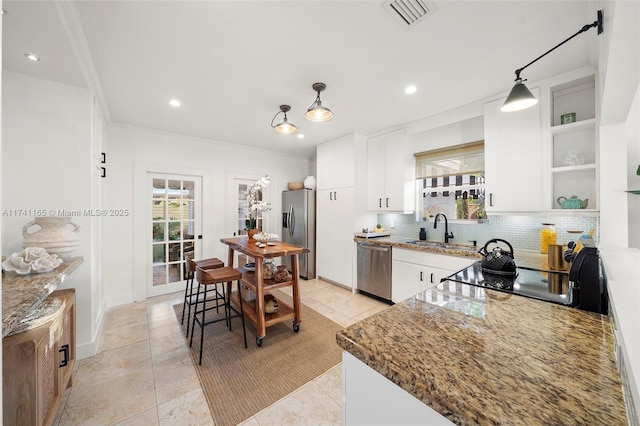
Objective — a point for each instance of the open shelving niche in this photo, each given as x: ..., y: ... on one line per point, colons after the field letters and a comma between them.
x: 570, y: 141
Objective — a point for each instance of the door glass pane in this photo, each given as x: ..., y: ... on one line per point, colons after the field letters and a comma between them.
x: 159, y: 253
x: 159, y: 274
x: 174, y: 189
x: 174, y: 231
x: 188, y: 190
x: 175, y: 252
x: 158, y: 209
x: 158, y: 231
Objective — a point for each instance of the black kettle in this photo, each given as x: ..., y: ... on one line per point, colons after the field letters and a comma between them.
x: 497, y: 261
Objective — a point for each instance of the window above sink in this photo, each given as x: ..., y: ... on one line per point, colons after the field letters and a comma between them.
x: 451, y: 181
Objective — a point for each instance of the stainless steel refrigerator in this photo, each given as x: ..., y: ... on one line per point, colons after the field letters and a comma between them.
x: 299, y: 228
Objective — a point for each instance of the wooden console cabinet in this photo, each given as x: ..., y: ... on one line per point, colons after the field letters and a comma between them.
x: 37, y: 367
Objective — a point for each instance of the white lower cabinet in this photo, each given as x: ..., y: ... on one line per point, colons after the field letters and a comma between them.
x: 372, y: 399
x: 413, y: 271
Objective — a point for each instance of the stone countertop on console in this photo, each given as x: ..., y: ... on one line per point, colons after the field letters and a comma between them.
x: 21, y: 294
x: 479, y: 356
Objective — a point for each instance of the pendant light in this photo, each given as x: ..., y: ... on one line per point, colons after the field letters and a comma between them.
x: 520, y: 97
x: 284, y: 128
x: 316, y: 111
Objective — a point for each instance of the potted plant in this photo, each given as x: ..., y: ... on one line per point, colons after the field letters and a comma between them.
x: 254, y: 205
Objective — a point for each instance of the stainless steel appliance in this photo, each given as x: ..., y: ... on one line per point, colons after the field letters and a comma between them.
x: 374, y: 269
x: 299, y: 228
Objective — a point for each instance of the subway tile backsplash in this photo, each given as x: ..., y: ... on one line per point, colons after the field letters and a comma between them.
x: 523, y: 232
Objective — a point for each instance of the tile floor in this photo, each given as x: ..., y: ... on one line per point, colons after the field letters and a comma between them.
x: 136, y: 380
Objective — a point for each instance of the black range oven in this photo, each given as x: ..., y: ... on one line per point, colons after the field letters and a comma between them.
x: 583, y: 286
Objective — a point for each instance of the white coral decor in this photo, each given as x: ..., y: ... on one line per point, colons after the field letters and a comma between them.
x: 32, y: 259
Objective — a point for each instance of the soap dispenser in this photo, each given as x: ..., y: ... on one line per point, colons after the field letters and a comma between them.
x: 423, y: 234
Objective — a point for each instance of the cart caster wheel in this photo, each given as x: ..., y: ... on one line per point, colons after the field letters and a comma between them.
x: 259, y: 341
x: 296, y: 327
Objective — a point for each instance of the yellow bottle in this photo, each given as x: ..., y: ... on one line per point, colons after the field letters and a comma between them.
x: 547, y: 236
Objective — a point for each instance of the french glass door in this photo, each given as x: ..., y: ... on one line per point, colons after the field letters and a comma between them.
x: 174, y: 229
x: 237, y: 214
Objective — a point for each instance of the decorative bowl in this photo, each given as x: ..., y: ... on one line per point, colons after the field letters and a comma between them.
x: 295, y: 185
x: 250, y: 266
x: 265, y: 237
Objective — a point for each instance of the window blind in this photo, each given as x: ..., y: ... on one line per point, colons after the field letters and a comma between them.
x: 467, y: 159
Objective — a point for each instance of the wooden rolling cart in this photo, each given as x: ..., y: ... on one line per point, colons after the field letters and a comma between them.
x: 254, y: 281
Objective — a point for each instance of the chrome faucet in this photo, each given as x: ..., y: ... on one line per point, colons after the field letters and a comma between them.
x: 447, y: 235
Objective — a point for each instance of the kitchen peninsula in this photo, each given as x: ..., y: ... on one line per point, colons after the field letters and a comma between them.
x: 476, y: 356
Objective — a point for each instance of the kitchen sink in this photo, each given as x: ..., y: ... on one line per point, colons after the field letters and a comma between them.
x: 433, y: 244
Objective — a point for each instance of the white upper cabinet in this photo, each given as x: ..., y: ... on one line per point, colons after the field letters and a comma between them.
x: 513, y: 146
x: 335, y: 164
x: 389, y: 173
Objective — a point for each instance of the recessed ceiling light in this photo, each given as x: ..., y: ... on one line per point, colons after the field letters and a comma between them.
x: 300, y: 136
x: 410, y: 90
x: 31, y: 57
x: 174, y: 103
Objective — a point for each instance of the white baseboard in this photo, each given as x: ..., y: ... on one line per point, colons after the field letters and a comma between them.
x: 87, y: 350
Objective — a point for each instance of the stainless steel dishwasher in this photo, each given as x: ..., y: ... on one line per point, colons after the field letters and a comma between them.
x: 374, y: 269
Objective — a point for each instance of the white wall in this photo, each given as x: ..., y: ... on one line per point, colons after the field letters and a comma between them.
x: 467, y: 130
x: 619, y: 154
x: 47, y: 164
x: 127, y: 146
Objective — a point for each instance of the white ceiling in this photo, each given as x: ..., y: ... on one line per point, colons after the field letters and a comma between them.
x: 232, y: 63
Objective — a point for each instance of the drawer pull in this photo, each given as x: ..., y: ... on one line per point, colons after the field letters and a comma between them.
x: 421, y: 278
x: 65, y: 356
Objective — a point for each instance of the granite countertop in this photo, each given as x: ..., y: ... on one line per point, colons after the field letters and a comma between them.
x: 479, y: 356
x: 452, y: 249
x: 21, y: 294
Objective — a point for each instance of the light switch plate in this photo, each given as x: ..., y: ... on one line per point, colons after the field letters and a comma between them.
x: 392, y: 223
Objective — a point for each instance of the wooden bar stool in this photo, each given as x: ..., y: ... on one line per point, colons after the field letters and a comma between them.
x: 213, y: 277
x: 189, y: 293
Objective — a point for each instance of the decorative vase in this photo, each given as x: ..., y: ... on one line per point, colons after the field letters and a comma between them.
x: 281, y: 273
x: 310, y: 182
x: 268, y: 269
x: 57, y: 235
x: 252, y: 232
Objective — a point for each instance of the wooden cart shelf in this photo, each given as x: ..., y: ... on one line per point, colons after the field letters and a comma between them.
x: 284, y: 313
x: 249, y: 279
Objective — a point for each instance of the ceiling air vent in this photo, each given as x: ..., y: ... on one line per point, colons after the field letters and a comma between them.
x: 409, y: 12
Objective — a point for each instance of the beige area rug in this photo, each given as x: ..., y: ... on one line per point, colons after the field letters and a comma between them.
x: 239, y: 382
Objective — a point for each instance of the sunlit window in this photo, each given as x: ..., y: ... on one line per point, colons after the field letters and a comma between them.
x: 451, y: 181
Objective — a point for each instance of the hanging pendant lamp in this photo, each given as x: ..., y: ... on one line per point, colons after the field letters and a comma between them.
x: 520, y: 97
x: 284, y: 128
x: 316, y: 111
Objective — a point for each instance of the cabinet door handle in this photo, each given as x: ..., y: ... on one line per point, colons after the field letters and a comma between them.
x: 387, y: 203
x: 335, y: 195
x: 432, y: 278
x: 65, y: 356
x: 380, y: 202
x: 330, y: 195
x: 491, y: 199
x: 421, y: 278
